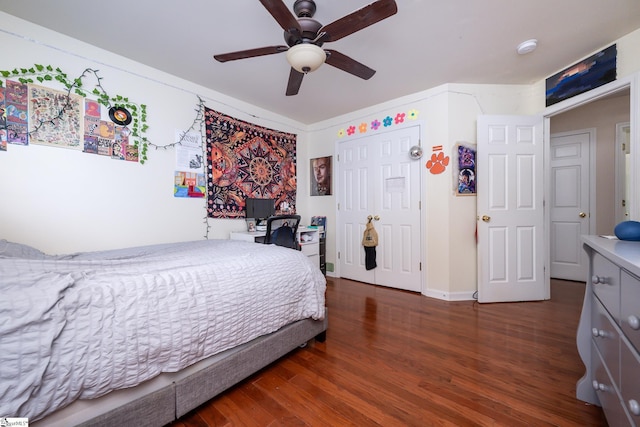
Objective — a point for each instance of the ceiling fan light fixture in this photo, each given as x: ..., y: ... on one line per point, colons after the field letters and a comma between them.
x: 306, y: 57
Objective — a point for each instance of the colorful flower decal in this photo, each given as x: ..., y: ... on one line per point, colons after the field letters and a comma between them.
x: 375, y: 124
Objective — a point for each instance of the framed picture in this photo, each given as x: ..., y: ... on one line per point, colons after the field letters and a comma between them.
x: 321, y: 176
x: 595, y: 71
x: 465, y: 175
x: 251, y: 224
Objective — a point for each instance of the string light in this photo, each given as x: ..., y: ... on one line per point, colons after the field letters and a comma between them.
x: 48, y: 73
x: 198, y: 125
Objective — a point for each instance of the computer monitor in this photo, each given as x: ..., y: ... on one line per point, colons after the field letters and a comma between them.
x: 260, y: 209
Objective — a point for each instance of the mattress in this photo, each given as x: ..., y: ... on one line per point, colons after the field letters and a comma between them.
x: 78, y: 326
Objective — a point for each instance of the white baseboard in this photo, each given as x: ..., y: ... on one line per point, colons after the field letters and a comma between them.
x: 450, y: 296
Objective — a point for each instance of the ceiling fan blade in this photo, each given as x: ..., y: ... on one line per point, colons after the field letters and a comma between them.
x: 359, y: 19
x: 345, y: 63
x: 283, y: 15
x: 250, y: 53
x: 295, y: 80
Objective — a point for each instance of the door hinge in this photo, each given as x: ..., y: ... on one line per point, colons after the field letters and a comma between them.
x: 338, y: 205
x: 624, y: 147
x: 420, y: 266
x: 338, y: 255
x: 338, y: 158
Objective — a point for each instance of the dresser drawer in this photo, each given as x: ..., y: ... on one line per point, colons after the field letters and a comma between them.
x: 607, y: 393
x: 309, y: 249
x: 630, y: 384
x: 605, y: 336
x: 630, y: 308
x: 606, y: 284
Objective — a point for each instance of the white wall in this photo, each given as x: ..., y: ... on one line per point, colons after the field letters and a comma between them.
x: 61, y: 200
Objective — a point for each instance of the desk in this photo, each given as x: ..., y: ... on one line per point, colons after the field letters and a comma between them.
x: 308, y: 238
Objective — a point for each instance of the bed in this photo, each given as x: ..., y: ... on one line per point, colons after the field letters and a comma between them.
x: 141, y: 336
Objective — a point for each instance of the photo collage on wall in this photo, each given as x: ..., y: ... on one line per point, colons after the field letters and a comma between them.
x: 104, y: 137
x: 31, y: 114
x: 189, y: 176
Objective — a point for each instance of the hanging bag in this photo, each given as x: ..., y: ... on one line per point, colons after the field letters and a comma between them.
x: 370, y: 241
x: 370, y: 236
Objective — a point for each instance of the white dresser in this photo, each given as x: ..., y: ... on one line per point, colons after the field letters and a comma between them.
x: 609, y: 332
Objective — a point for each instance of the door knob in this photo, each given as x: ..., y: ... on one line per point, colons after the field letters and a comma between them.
x: 582, y: 214
x: 486, y: 218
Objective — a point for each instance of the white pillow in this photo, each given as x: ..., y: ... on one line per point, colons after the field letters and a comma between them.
x: 18, y: 250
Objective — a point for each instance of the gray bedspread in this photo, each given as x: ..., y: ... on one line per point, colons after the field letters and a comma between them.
x: 78, y: 326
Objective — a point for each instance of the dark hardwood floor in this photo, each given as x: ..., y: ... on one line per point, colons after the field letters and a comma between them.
x: 395, y: 358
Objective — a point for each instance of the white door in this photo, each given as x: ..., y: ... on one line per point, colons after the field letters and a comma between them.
x: 377, y: 178
x: 623, y: 166
x: 510, y: 209
x: 569, y: 204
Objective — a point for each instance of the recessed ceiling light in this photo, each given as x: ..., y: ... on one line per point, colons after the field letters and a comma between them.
x: 527, y: 46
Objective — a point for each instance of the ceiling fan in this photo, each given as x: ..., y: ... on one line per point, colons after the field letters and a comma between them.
x: 305, y: 36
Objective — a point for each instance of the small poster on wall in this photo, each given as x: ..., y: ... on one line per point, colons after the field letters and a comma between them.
x: 465, y: 173
x: 15, y: 113
x: 321, y: 176
x: 45, y: 108
x: 189, y: 154
x: 3, y: 123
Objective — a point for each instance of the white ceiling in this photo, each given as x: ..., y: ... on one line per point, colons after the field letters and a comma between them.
x: 427, y: 43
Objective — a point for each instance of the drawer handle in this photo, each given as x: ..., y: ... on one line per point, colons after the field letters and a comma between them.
x: 634, y: 407
x: 634, y: 322
x: 597, y: 386
x: 598, y: 333
x: 597, y: 279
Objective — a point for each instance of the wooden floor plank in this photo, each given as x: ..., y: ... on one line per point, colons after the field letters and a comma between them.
x: 395, y: 358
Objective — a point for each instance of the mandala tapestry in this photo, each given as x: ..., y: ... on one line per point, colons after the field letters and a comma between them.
x: 246, y: 160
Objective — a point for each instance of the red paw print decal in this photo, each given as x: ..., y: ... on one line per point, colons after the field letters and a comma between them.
x: 438, y: 163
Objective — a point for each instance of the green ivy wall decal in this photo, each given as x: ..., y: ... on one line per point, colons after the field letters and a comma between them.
x: 46, y: 73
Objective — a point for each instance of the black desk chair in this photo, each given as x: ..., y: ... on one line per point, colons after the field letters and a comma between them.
x: 282, y: 231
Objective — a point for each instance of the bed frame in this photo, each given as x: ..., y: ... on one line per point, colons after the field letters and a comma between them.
x: 169, y: 396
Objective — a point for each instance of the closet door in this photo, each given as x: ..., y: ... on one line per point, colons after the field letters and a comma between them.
x: 378, y: 179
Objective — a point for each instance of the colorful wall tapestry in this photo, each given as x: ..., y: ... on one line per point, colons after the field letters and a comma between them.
x: 246, y: 160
